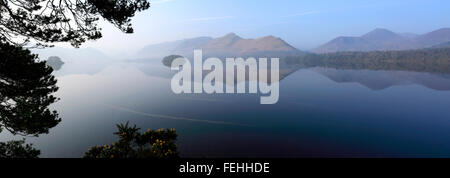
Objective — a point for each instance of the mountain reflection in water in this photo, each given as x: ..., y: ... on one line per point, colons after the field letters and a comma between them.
x: 324, y: 110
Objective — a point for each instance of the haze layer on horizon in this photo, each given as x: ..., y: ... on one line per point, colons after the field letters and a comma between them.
x: 303, y: 24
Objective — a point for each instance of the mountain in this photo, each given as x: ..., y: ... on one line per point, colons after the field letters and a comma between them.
x: 230, y: 45
x: 434, y: 38
x: 409, y: 35
x: 442, y: 45
x: 72, y: 54
x: 344, y: 44
x: 384, y: 40
x: 77, y: 61
x: 378, y: 39
x: 383, y: 36
x: 167, y: 48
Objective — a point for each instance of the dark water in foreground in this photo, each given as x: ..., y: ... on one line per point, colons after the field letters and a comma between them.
x: 322, y: 112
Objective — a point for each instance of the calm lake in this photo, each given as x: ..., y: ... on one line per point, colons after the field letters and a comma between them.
x: 322, y: 112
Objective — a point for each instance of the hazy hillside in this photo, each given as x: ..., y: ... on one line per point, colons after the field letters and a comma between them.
x: 409, y: 35
x: 383, y: 37
x: 167, y: 48
x: 385, y: 40
x: 442, y: 45
x: 187, y: 46
x: 77, y: 61
x: 229, y: 45
x: 233, y: 45
x: 433, y: 38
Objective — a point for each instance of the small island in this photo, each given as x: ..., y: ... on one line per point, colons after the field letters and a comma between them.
x: 167, y: 61
x: 55, y: 62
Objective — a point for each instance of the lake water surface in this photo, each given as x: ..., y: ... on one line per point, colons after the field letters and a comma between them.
x: 322, y: 112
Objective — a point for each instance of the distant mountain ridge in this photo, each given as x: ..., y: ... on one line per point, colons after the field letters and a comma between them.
x: 442, y: 45
x: 83, y: 60
x: 385, y: 40
x: 230, y: 45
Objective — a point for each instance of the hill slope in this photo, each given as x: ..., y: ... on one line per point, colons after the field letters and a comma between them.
x: 385, y: 40
x: 230, y: 45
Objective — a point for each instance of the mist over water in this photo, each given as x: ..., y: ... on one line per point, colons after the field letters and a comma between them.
x: 321, y: 112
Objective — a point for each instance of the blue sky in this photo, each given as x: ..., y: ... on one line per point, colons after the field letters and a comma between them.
x: 303, y: 23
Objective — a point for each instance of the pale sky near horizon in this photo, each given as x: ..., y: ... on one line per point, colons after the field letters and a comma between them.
x: 304, y: 24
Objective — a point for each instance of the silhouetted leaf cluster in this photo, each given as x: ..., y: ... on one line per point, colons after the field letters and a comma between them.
x: 133, y: 144
x: 74, y: 21
x: 26, y: 88
x: 18, y: 149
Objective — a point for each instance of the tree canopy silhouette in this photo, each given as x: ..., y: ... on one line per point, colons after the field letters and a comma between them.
x: 26, y: 85
x: 74, y: 21
x: 26, y: 88
x: 134, y: 144
x: 18, y: 149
